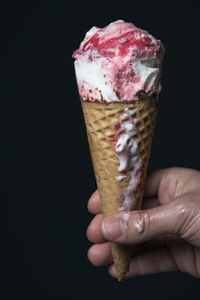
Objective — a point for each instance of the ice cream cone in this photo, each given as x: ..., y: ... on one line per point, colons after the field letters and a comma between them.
x: 102, y: 120
x: 118, y: 72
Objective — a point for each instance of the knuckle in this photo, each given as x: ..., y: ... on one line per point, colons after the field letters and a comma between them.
x: 188, y: 217
x: 184, y: 216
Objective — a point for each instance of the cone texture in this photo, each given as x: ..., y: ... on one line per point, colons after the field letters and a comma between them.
x: 100, y: 119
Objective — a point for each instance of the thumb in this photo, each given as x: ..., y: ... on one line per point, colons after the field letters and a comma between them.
x: 143, y: 225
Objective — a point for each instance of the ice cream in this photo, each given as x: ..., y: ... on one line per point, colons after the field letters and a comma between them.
x: 118, y: 62
x: 118, y: 72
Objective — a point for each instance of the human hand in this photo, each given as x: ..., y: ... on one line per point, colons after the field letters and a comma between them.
x: 166, y: 232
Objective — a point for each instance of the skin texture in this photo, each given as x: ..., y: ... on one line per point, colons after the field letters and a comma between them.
x: 168, y: 238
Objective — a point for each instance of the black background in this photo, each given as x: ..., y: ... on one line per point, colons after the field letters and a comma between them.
x: 48, y: 176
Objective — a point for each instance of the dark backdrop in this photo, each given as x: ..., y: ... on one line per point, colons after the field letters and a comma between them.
x: 48, y: 176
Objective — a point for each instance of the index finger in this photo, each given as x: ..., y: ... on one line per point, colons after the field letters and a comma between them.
x: 94, y: 205
x: 166, y: 184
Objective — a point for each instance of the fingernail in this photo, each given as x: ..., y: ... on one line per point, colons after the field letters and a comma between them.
x: 113, y: 227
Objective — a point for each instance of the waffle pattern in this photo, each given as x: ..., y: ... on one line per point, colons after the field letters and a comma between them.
x: 100, y: 119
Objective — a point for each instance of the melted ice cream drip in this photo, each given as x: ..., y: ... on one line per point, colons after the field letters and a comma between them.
x: 127, y: 152
x: 120, y: 178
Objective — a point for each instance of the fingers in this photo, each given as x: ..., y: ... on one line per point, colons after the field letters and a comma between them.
x: 140, y: 226
x: 155, y: 184
x: 149, y: 263
x: 94, y: 205
x: 171, y: 183
x: 150, y: 257
x: 165, y: 184
x: 94, y: 233
x: 100, y: 255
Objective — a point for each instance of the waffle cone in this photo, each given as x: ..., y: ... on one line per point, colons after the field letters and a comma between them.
x: 100, y: 119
